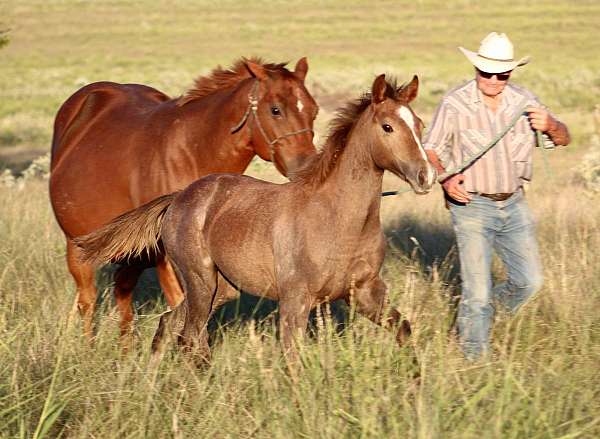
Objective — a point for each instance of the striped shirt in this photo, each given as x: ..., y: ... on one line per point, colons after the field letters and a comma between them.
x: 463, y: 125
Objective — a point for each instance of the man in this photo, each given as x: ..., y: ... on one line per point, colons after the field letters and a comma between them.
x: 486, y: 199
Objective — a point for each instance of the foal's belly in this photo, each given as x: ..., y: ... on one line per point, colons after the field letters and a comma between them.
x: 243, y: 258
x: 260, y: 281
x: 251, y: 282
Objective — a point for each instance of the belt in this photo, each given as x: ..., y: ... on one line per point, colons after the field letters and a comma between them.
x: 501, y: 196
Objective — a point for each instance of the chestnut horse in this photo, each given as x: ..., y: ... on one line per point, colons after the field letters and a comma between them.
x: 118, y: 146
x: 317, y: 238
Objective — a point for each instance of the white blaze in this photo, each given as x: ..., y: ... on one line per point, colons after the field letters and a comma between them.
x: 407, y: 116
x: 299, y: 103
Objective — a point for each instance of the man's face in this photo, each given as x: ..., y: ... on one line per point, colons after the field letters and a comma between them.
x: 491, y: 84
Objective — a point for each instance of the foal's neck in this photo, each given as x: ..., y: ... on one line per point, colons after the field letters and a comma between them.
x: 356, y: 179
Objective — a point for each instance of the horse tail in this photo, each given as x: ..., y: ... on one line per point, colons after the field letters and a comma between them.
x: 129, y: 235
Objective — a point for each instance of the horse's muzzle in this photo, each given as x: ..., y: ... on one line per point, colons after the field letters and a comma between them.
x: 424, y: 178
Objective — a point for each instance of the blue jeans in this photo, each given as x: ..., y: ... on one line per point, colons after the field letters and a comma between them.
x: 482, y: 226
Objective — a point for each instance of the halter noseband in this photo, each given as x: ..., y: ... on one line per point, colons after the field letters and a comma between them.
x: 253, y: 107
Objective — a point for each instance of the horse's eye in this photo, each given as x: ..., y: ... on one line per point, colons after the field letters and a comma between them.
x: 387, y: 128
x: 275, y: 111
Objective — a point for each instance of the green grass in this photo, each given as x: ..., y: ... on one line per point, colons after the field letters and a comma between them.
x: 542, y: 380
x: 58, y: 46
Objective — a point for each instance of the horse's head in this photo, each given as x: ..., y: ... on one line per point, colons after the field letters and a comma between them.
x: 284, y: 116
x: 395, y: 134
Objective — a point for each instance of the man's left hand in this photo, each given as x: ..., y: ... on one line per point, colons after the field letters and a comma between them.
x: 540, y: 119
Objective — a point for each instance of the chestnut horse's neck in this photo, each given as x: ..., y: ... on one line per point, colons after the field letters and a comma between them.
x: 206, y: 125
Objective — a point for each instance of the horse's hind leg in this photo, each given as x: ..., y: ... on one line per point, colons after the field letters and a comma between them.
x: 372, y: 301
x: 126, y: 278
x: 169, y: 328
x: 201, y: 303
x: 168, y: 282
x: 188, y: 321
x: 84, y: 276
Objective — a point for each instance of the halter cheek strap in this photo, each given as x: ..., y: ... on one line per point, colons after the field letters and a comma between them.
x: 253, y: 109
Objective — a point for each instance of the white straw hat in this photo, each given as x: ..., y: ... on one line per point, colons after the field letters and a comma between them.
x: 495, y: 55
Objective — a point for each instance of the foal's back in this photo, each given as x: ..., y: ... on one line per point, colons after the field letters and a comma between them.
x: 230, y: 220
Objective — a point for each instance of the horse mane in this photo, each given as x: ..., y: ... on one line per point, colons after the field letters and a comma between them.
x: 320, y: 166
x: 221, y: 78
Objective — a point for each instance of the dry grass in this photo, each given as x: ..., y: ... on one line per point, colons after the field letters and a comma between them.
x: 542, y: 380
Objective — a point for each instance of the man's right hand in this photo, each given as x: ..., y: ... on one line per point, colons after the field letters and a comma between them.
x: 455, y: 189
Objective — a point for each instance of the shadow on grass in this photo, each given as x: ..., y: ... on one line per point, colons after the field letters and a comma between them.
x: 251, y: 308
x: 433, y: 247
x: 148, y: 297
x: 429, y: 244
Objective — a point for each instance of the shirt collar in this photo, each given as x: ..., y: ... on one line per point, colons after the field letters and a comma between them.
x: 474, y: 92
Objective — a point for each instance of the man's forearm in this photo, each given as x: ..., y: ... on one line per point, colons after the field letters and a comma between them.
x: 435, y: 161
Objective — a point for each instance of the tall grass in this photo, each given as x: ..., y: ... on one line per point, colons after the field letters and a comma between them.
x: 542, y: 380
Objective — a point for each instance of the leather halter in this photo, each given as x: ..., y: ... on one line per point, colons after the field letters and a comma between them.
x: 252, y: 108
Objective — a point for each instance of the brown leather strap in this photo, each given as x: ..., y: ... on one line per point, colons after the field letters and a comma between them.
x: 501, y: 196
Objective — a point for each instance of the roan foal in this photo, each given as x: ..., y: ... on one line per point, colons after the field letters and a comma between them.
x: 312, y: 240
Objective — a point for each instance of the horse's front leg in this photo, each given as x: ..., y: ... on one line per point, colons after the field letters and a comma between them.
x: 294, y: 308
x: 372, y: 301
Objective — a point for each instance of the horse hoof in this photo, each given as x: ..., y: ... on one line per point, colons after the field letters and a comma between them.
x: 403, y: 333
x: 200, y: 360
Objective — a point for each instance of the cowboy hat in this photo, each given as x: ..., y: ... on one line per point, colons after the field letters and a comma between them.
x: 495, y: 54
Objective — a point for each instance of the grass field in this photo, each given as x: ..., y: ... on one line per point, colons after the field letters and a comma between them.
x: 542, y: 380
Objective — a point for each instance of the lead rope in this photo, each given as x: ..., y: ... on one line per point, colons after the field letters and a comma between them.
x: 540, y: 143
x: 470, y: 159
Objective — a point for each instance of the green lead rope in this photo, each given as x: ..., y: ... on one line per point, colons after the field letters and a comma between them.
x: 540, y: 143
x: 470, y: 159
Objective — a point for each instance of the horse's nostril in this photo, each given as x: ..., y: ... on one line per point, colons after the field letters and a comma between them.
x: 422, y: 177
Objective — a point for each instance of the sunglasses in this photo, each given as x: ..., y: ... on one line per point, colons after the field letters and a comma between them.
x: 500, y: 76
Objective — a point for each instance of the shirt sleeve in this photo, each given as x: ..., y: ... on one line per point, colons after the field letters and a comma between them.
x: 440, y: 135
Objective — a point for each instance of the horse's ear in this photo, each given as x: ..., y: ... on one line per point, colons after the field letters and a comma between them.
x: 378, y: 89
x: 256, y: 70
x: 409, y: 92
x: 301, y: 69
